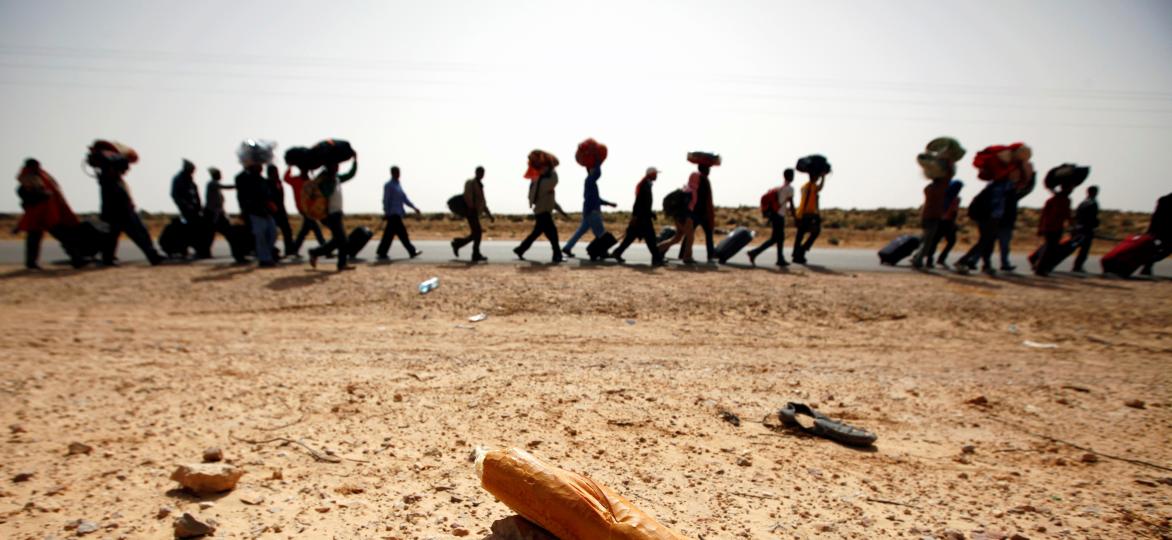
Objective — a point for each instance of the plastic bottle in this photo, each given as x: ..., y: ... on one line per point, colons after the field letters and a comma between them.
x: 429, y: 285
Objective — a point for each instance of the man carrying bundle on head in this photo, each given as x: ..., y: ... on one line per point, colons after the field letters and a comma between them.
x: 1056, y: 215
x: 808, y: 216
x: 590, y: 155
x: 703, y: 211
x: 474, y: 205
x: 543, y: 181
x: 254, y: 194
x: 774, y: 205
x: 1003, y: 167
x: 332, y: 153
x: 305, y: 161
x: 111, y: 161
x: 642, y: 225
x: 939, y: 164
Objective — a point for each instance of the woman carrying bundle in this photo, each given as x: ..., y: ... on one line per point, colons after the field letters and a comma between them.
x: 45, y: 210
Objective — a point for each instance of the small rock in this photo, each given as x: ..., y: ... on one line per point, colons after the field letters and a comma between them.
x: 397, y: 398
x: 744, y: 461
x: 187, y: 526
x: 968, y: 449
x: 277, y: 475
x: 22, y: 477
x: 322, y: 509
x: 207, y: 478
x: 86, y: 527
x: 979, y: 401
x: 204, y: 505
x: 412, y: 498
x: 252, y: 498
x: 213, y: 455
x: 460, y: 531
x: 1135, y: 404
x: 79, y: 448
x: 16, y: 428
x: 163, y: 512
x: 1089, y: 458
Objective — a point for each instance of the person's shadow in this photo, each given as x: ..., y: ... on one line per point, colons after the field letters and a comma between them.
x: 297, y: 281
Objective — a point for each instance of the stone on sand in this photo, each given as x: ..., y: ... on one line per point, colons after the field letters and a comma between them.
x: 207, y: 478
x: 187, y: 526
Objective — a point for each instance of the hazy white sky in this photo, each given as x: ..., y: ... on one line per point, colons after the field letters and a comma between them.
x: 439, y: 87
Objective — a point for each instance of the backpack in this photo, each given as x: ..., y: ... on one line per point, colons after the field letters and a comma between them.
x: 769, y: 202
x: 314, y: 203
x: 675, y: 204
x: 458, y: 205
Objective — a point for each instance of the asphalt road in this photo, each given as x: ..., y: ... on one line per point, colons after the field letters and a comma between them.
x: 821, y: 259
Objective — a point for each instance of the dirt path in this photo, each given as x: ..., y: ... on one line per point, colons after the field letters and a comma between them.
x: 615, y: 373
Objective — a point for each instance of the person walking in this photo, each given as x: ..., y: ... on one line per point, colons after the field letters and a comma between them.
x: 1023, y: 181
x: 475, y: 203
x: 542, y: 197
x: 1086, y: 220
x: 308, y: 224
x: 45, y: 210
x: 254, y: 193
x: 683, y: 212
x: 592, y: 204
x: 394, y: 199
x: 280, y: 215
x: 1051, y: 225
x: 947, y: 229
x: 1160, y: 228
x: 704, y: 213
x: 331, y: 186
x: 774, y: 205
x: 185, y: 194
x: 808, y: 215
x: 931, y: 215
x: 117, y: 209
x: 215, y: 218
x: 642, y: 224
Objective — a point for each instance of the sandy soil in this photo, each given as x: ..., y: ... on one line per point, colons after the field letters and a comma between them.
x: 618, y: 373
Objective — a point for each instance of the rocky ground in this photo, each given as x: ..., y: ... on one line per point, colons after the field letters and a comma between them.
x: 351, y: 403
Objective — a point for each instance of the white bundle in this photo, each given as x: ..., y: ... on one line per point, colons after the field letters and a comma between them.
x: 256, y: 152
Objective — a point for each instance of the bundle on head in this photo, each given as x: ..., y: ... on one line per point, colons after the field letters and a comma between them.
x: 333, y: 151
x: 303, y: 158
x: 568, y: 505
x: 591, y: 153
x: 814, y: 165
x: 539, y: 160
x: 704, y: 158
x: 939, y: 158
x: 255, y: 152
x: 103, y: 153
x: 1067, y: 175
x: 997, y: 162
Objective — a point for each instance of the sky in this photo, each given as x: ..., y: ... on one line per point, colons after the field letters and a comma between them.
x: 441, y: 86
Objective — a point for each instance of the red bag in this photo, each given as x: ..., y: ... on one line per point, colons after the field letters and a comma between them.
x: 1129, y: 255
x: 769, y: 202
x: 591, y: 153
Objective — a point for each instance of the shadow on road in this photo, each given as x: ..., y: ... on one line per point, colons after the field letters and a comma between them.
x: 296, y: 282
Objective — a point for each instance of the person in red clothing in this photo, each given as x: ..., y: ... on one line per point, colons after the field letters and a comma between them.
x: 308, y: 224
x: 1056, y: 214
x: 45, y: 210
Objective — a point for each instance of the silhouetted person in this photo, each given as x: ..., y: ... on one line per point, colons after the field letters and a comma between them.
x: 394, y: 199
x: 1051, y: 225
x: 216, y: 219
x: 987, y: 209
x: 809, y: 216
x: 774, y: 207
x: 642, y: 224
x: 544, y: 201
x: 476, y: 204
x: 331, y: 186
x: 185, y: 193
x: 45, y: 210
x: 703, y: 212
x: 684, y: 221
x: 119, y: 212
x: 947, y: 228
x: 1086, y: 220
x: 280, y: 215
x: 257, y: 202
x: 1023, y: 184
x: 592, y: 204
x: 1160, y: 228
x: 935, y: 206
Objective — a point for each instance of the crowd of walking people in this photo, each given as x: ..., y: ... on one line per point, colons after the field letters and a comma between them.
x: 314, y: 178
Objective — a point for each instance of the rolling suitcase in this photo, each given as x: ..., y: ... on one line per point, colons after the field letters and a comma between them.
x: 733, y: 243
x: 899, y: 249
x: 86, y: 240
x: 357, y: 240
x: 1132, y: 253
x: 175, y: 239
x: 598, y: 249
x: 241, y: 242
x: 1066, y: 248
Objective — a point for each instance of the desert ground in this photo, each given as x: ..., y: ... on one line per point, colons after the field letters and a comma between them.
x: 1007, y: 407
